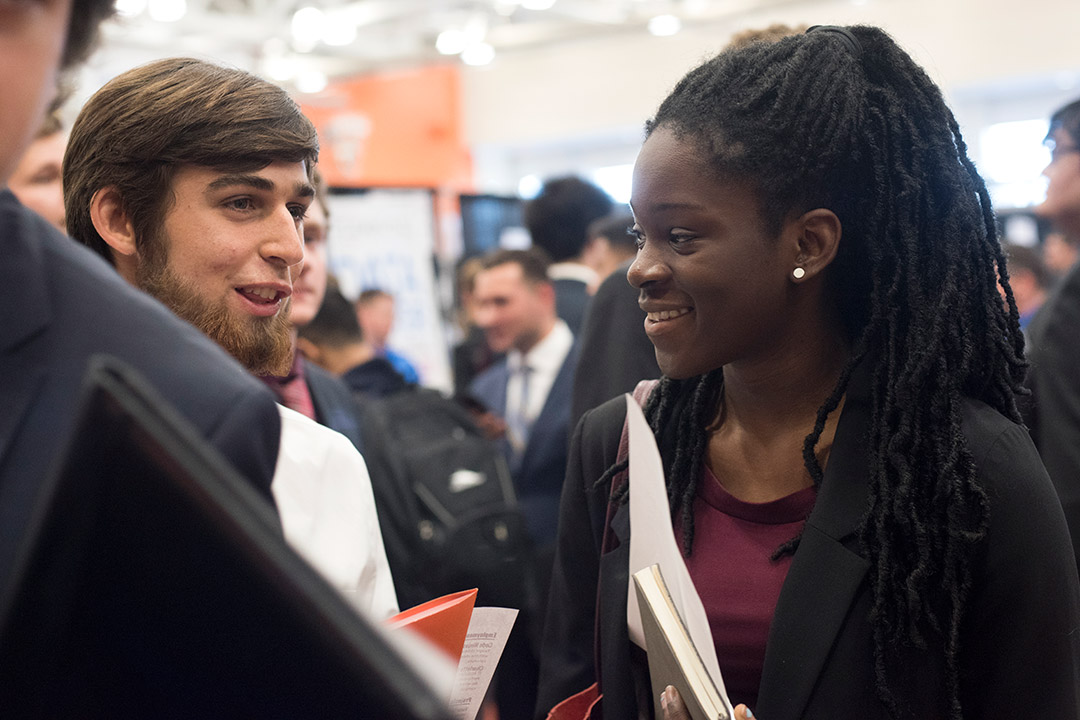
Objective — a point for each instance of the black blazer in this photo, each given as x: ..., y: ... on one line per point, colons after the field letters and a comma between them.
x: 571, y: 299
x: 1054, y: 379
x: 61, y: 304
x: 335, y: 405
x: 1020, y: 645
x: 615, y: 353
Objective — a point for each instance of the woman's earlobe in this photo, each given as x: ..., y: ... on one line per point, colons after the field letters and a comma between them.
x: 818, y: 242
x: 112, y: 222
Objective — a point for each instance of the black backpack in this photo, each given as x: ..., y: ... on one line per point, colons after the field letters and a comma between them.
x: 447, y: 507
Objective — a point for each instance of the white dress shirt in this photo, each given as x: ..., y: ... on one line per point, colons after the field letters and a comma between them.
x: 544, y: 361
x: 323, y: 494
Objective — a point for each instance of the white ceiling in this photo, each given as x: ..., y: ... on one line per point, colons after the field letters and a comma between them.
x: 391, y: 33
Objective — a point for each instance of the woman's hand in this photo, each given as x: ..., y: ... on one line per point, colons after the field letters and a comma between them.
x: 675, y: 708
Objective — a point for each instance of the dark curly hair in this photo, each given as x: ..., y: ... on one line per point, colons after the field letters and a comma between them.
x: 558, y: 218
x: 812, y: 121
x: 83, y: 26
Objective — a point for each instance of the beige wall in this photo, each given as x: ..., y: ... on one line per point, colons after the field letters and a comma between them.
x: 527, y: 106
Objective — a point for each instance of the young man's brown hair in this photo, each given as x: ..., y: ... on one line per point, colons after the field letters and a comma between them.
x: 177, y: 111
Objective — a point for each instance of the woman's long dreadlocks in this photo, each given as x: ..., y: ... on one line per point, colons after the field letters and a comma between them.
x: 812, y: 122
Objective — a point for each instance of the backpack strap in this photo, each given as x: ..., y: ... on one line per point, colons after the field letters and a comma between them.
x: 641, y: 395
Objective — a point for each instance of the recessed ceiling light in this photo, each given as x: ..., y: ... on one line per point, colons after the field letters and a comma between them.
x: 167, y: 10
x: 478, y: 54
x: 451, y: 42
x: 130, y: 8
x: 311, y: 81
x: 664, y: 25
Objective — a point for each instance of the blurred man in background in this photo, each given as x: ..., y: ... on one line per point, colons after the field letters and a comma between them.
x: 375, y: 313
x: 1029, y: 279
x: 1053, y: 413
x: 306, y: 387
x: 558, y: 220
x: 530, y: 389
x: 36, y: 180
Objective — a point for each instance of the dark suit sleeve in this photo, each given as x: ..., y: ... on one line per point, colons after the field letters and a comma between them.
x: 248, y: 435
x: 1054, y: 379
x: 615, y: 353
x: 1021, y: 637
x: 567, y: 653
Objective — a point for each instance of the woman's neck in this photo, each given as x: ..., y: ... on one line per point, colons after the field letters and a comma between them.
x: 765, y: 414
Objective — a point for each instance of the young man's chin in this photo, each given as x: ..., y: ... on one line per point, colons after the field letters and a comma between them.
x: 262, y: 345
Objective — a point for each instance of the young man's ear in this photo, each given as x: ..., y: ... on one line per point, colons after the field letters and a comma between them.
x: 114, y: 225
x: 817, y: 241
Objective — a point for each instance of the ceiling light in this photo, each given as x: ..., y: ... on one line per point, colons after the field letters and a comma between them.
x: 130, y: 8
x: 278, y: 69
x: 311, y: 81
x: 307, y: 27
x: 338, y: 32
x: 665, y: 25
x: 167, y: 10
x: 451, y: 42
x: 537, y: 4
x: 478, y: 54
x: 529, y: 186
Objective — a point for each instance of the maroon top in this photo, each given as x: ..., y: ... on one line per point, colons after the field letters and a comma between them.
x: 738, y: 583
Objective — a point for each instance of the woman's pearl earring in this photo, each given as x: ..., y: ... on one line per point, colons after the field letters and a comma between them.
x: 798, y: 273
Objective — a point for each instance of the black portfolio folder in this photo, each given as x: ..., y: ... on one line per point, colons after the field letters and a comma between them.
x: 156, y: 583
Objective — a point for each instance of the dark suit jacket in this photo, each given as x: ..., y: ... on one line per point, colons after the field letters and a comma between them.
x: 335, y: 404
x: 60, y: 304
x: 615, y: 353
x: 1053, y: 413
x: 538, y: 478
x: 1016, y: 641
x: 571, y: 300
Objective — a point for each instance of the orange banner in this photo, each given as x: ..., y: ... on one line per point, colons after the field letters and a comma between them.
x: 396, y: 129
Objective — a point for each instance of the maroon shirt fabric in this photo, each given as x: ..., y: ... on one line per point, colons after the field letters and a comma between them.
x: 292, y: 390
x: 738, y: 583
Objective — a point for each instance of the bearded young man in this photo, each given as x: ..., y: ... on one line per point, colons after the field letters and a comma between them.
x: 193, y: 181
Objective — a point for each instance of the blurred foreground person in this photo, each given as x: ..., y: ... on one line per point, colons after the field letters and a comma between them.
x: 62, y: 304
x: 851, y: 489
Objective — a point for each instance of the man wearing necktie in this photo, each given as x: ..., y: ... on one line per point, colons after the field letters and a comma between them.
x: 531, y: 389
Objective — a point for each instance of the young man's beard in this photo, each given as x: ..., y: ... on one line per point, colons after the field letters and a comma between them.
x: 262, y: 345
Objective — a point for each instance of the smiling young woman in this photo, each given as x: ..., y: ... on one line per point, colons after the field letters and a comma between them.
x: 850, y: 484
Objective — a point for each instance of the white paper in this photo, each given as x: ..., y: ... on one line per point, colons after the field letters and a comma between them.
x: 652, y: 540
x: 484, y: 642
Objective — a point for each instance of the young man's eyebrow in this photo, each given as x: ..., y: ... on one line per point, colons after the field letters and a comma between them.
x: 258, y: 182
x: 254, y: 181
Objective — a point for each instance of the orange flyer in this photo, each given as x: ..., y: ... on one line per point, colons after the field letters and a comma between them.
x: 444, y: 621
